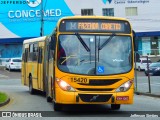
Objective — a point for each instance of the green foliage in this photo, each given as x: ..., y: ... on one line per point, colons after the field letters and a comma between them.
x: 3, y: 97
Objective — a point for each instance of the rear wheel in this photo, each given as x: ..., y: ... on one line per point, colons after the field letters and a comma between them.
x: 115, y: 106
x: 31, y: 90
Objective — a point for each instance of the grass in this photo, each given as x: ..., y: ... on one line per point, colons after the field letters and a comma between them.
x: 3, y: 97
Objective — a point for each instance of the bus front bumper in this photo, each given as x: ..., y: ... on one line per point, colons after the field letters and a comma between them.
x: 79, y: 97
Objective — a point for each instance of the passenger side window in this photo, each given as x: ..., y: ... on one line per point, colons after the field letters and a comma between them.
x: 30, y: 52
x: 25, y: 55
x: 33, y: 52
x: 40, y: 55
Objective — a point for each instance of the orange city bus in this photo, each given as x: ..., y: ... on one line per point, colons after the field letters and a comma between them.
x: 86, y: 60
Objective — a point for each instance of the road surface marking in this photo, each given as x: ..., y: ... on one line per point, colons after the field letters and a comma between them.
x: 155, y: 84
x: 1, y: 76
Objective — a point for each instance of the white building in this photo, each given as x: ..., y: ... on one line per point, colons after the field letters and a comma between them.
x: 143, y: 14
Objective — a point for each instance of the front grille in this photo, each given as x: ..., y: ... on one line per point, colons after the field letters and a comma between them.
x: 93, y: 82
x: 95, y: 97
x: 94, y: 89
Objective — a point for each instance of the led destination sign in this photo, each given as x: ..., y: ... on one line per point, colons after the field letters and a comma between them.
x: 94, y: 26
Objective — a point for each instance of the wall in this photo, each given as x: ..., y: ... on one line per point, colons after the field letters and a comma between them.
x: 13, y: 25
x: 24, y: 20
x: 10, y: 50
x: 148, y: 18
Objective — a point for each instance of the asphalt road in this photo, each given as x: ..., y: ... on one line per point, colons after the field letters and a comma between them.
x: 143, y: 83
x: 21, y: 100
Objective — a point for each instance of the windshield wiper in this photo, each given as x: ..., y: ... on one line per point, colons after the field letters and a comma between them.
x: 107, y: 41
x: 82, y: 42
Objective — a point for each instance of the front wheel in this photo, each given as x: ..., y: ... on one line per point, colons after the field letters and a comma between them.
x: 57, y: 107
x: 49, y: 99
x: 115, y: 106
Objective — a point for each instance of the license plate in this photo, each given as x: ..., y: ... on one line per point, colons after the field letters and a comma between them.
x: 124, y: 98
x: 79, y: 80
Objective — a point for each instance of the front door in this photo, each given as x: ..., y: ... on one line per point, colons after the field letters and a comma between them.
x: 40, y: 67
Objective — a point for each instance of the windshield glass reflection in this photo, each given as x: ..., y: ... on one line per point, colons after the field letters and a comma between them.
x: 114, y: 57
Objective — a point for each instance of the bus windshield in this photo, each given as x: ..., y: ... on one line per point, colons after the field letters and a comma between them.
x: 114, y: 57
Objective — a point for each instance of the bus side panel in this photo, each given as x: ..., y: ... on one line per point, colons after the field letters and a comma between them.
x: 22, y: 69
x: 22, y: 73
x: 32, y: 70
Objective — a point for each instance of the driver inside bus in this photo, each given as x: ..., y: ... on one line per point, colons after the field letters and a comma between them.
x: 61, y: 55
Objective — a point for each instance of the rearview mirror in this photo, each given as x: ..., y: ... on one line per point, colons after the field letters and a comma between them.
x: 135, y: 41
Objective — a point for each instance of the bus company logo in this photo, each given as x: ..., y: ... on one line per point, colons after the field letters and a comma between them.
x: 105, y: 1
x: 34, y: 3
x: 6, y: 114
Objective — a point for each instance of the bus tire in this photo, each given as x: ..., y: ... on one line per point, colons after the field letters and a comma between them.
x: 115, y: 106
x: 49, y: 99
x: 31, y: 90
x: 57, y: 107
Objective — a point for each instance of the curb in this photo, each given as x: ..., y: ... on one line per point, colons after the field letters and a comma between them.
x: 5, y: 103
x: 147, y: 94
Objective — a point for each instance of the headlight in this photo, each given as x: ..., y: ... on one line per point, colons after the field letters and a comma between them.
x: 124, y: 87
x: 64, y: 85
x: 157, y: 68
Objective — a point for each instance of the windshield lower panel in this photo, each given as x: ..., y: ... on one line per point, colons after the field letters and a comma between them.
x: 115, y: 57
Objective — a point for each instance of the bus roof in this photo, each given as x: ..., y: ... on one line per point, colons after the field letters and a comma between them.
x: 93, y: 17
x: 34, y: 39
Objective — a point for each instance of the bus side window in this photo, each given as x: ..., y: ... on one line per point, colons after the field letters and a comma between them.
x: 25, y: 55
x: 46, y: 55
x: 35, y: 52
x: 30, y: 52
x: 40, y: 55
